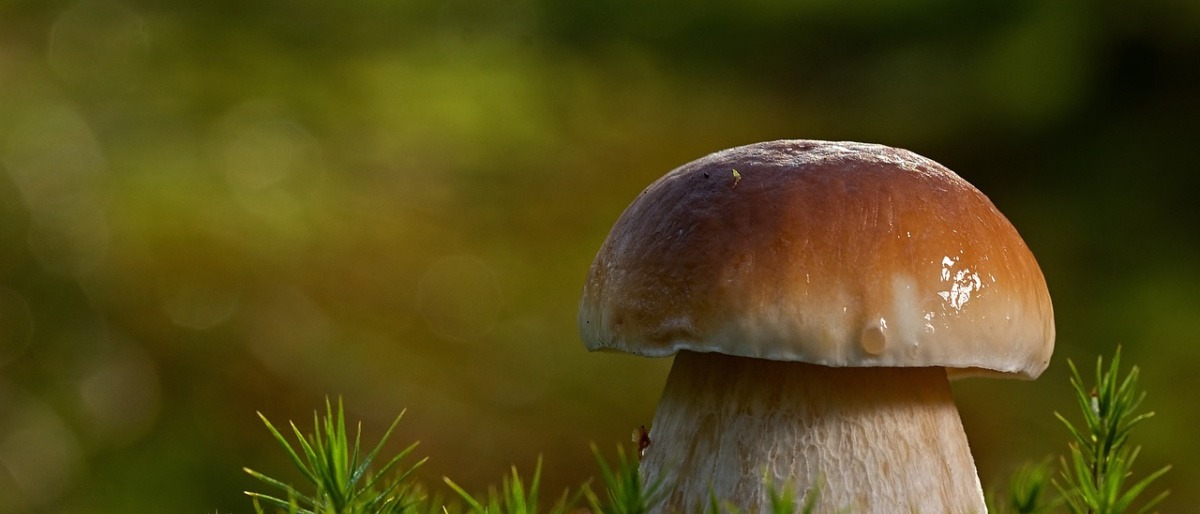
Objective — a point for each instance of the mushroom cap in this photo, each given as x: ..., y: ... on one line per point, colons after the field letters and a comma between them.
x: 832, y: 253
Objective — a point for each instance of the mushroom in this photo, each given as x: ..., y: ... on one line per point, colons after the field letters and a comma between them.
x: 817, y: 296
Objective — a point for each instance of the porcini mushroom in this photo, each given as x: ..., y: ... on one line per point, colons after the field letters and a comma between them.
x: 817, y: 297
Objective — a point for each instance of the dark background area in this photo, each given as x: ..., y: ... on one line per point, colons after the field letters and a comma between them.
x: 209, y: 209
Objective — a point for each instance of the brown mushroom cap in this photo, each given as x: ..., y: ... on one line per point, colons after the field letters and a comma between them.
x: 832, y: 253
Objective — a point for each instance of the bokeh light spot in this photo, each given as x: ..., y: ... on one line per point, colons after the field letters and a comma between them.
x: 257, y: 147
x: 291, y: 334
x: 459, y: 297
x: 16, y: 325
x: 57, y: 165
x: 120, y: 395
x: 96, y: 42
x: 201, y: 307
x: 37, y: 450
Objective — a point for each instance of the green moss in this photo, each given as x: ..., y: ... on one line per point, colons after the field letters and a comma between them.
x: 1092, y: 477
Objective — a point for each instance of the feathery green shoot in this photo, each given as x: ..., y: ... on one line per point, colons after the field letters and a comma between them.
x: 338, y: 471
x: 513, y: 497
x: 1100, y: 459
x: 1092, y: 476
x: 627, y: 493
x: 1026, y: 492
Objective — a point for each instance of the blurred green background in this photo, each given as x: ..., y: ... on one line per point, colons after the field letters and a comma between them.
x: 209, y: 208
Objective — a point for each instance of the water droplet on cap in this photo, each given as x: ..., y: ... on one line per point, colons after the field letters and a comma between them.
x: 873, y: 339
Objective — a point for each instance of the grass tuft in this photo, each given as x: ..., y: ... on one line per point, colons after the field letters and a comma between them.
x: 1100, y: 460
x: 627, y: 493
x: 513, y: 497
x: 339, y: 472
x: 1092, y: 476
x: 1027, y: 491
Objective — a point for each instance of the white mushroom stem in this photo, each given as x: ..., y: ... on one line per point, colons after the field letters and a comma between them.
x: 872, y: 440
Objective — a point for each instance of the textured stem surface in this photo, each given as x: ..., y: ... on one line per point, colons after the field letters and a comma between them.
x: 872, y: 440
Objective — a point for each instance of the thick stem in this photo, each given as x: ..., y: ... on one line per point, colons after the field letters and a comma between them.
x: 871, y: 440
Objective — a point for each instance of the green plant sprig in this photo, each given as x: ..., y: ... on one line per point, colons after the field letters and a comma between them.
x: 1100, y: 459
x: 339, y: 471
x: 513, y: 497
x: 1092, y: 476
x: 1027, y: 491
x: 626, y: 492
